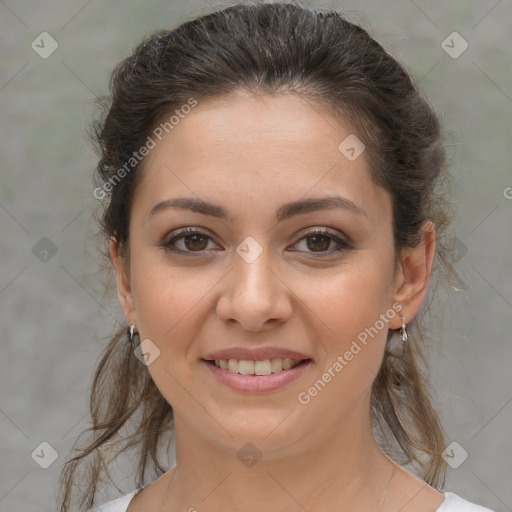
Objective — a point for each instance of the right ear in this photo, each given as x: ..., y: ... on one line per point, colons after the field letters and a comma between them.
x: 124, y: 290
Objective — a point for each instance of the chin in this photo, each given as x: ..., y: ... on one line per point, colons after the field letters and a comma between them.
x: 269, y: 433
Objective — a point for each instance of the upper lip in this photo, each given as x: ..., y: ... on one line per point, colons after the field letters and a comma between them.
x: 256, y: 354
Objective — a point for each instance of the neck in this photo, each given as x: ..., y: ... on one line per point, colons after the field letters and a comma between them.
x: 320, y: 472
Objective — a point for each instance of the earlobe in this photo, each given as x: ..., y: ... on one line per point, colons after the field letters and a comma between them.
x: 414, y: 274
x: 124, y: 291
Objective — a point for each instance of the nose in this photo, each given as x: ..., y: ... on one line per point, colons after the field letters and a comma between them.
x: 254, y: 295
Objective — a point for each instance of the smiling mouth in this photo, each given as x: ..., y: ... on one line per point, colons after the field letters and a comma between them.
x: 257, y: 368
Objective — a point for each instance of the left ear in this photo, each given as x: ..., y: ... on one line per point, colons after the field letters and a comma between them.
x: 413, y: 274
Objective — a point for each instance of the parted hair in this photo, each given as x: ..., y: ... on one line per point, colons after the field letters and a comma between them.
x: 268, y: 48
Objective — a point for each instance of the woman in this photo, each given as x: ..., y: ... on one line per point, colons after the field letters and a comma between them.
x: 275, y: 215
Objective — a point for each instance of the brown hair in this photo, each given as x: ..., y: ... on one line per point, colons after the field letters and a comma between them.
x: 269, y: 48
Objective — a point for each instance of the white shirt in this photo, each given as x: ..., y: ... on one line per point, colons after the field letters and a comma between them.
x: 452, y: 503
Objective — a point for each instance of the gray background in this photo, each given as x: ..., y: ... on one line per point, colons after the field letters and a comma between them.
x: 54, y: 314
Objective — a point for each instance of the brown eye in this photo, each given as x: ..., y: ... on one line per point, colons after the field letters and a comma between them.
x: 318, y: 242
x: 196, y: 242
x: 188, y: 241
x: 322, y: 241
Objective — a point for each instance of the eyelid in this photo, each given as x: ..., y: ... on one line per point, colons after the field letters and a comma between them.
x: 343, y: 241
x: 183, y: 232
x: 324, y: 230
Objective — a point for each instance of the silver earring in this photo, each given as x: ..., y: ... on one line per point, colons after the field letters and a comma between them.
x: 134, y: 336
x: 403, y: 331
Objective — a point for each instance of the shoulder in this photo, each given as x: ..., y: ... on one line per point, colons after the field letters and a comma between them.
x: 454, y: 503
x: 144, y: 497
x: 118, y: 505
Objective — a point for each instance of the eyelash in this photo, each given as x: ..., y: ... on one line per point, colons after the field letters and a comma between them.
x: 343, y: 245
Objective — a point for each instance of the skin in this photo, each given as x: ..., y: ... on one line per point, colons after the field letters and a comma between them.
x: 250, y: 155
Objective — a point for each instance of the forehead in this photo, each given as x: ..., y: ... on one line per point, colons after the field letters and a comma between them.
x: 273, y: 146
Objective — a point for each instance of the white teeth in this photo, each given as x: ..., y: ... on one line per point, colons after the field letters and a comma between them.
x: 245, y: 367
x: 265, y: 367
x: 262, y: 367
x: 276, y: 365
x: 287, y: 364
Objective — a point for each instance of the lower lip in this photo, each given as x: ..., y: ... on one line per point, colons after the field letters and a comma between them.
x: 258, y: 383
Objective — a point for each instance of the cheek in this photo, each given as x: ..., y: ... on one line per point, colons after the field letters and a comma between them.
x: 351, y: 298
x: 166, y: 300
x: 353, y: 344
x: 163, y: 294
x: 354, y: 306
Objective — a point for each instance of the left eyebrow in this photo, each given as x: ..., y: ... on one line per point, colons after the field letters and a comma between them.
x: 285, y: 211
x: 309, y: 205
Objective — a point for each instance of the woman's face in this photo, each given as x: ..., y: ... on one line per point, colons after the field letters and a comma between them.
x: 256, y: 276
